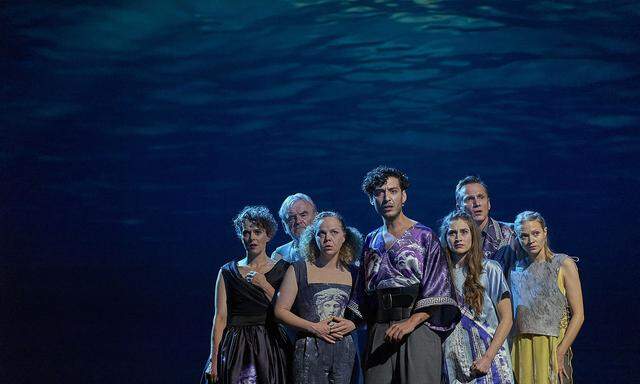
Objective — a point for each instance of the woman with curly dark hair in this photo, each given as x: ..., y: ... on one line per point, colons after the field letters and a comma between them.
x: 476, y: 351
x: 247, y: 346
x: 318, y: 289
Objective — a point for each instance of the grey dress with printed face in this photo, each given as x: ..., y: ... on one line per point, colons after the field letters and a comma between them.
x: 316, y: 361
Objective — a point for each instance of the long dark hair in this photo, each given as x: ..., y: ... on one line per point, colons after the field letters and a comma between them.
x: 472, y: 289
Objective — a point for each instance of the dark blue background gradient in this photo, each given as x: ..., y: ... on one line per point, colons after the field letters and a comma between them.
x: 131, y: 132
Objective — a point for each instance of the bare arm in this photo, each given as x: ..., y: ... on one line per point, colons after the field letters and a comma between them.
x: 483, y: 364
x: 286, y: 298
x: 505, y: 322
x: 573, y: 291
x: 397, y: 331
x: 219, y: 323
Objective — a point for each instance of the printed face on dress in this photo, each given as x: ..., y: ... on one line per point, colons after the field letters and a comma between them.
x: 329, y: 309
x: 248, y: 376
x: 459, y: 237
x: 389, y: 198
x: 330, y: 302
x: 474, y: 199
x: 330, y: 236
x: 407, y: 261
x: 299, y: 216
x: 532, y: 237
x: 254, y: 238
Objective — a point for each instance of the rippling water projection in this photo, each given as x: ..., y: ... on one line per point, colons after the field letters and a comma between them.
x: 133, y: 131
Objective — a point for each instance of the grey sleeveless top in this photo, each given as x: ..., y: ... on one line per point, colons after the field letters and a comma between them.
x: 538, y: 303
x: 319, y: 301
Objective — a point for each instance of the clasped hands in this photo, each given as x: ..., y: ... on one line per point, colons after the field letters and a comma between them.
x: 332, y: 329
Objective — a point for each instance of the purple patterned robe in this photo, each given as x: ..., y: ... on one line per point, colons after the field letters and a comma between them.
x: 499, y: 243
x: 414, y: 258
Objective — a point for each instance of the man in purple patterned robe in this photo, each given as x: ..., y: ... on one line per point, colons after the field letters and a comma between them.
x: 403, y: 291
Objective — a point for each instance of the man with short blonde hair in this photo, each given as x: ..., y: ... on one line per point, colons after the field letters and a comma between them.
x: 498, y: 238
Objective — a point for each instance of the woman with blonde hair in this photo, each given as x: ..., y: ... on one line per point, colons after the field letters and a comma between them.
x: 547, y: 302
x: 312, y: 299
x: 476, y: 350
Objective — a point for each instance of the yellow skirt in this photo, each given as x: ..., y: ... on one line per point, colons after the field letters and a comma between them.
x: 535, y: 361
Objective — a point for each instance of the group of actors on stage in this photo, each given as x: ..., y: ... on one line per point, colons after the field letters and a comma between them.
x: 483, y: 301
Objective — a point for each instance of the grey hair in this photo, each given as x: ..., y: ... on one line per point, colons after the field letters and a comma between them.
x: 289, y: 201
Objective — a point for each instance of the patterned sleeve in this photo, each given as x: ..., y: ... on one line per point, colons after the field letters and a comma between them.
x: 497, y: 287
x: 356, y: 308
x: 436, y: 296
x: 507, y: 253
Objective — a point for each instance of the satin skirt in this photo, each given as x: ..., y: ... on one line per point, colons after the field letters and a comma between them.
x: 254, y: 354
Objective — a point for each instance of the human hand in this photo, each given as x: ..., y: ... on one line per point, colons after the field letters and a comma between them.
x: 482, y: 365
x: 397, y: 331
x: 322, y: 330
x: 256, y: 278
x: 562, y: 374
x: 341, y: 326
x: 211, y: 372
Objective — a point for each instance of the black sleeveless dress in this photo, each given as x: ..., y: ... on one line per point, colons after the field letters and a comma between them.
x: 254, y: 349
x: 315, y: 361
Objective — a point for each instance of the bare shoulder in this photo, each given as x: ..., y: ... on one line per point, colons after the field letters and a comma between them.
x: 569, y: 262
x: 569, y: 267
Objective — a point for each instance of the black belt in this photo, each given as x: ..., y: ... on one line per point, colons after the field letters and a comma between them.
x: 395, y: 304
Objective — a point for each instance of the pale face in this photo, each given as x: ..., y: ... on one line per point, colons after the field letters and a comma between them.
x: 459, y: 237
x: 389, y: 198
x: 330, y: 236
x: 475, y: 201
x: 329, y: 309
x: 298, y: 217
x: 532, y: 237
x: 254, y: 238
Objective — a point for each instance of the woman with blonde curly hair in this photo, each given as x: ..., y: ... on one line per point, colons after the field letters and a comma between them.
x: 312, y: 299
x: 476, y: 351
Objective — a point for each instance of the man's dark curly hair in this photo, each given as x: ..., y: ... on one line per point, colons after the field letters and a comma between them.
x: 379, y: 175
